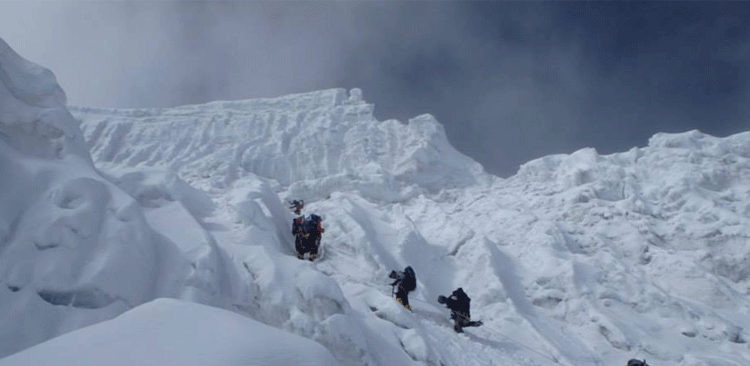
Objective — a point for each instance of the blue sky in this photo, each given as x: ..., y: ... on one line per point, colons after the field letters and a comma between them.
x: 510, y: 81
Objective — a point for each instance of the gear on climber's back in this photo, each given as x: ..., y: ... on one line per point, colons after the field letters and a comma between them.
x: 297, y: 206
x: 313, y: 224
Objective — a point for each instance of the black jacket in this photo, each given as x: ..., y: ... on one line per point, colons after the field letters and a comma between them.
x: 459, y: 301
x: 634, y: 362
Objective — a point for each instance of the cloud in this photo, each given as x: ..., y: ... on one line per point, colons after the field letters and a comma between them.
x: 508, y: 87
x: 103, y: 53
x: 510, y: 81
x: 494, y: 92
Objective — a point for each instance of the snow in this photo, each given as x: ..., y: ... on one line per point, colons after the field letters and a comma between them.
x: 313, y: 143
x: 577, y: 259
x: 32, y: 110
x: 163, y: 332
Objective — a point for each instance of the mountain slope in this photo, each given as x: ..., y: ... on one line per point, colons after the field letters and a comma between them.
x: 76, y: 249
x: 571, y: 244
x: 67, y: 235
x: 639, y: 252
x: 577, y: 259
x: 325, y: 138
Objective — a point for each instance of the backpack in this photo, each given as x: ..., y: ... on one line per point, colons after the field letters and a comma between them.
x: 410, y: 279
x: 312, y: 224
x: 463, y: 299
x: 634, y: 362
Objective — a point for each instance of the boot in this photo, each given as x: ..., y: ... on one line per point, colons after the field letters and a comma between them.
x: 300, y: 255
x: 312, y: 257
x: 400, y: 301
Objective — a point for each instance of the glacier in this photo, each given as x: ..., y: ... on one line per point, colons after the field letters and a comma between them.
x: 578, y: 258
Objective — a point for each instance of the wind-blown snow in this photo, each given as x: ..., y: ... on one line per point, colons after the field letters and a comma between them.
x: 577, y: 259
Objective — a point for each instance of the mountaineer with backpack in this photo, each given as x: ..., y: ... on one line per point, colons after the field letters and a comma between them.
x: 460, y: 305
x: 407, y: 282
x: 308, y: 232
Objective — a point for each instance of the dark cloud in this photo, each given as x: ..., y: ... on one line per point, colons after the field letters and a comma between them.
x: 511, y: 81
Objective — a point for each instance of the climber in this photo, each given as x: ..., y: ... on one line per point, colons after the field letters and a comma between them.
x: 297, y: 225
x: 297, y: 206
x: 634, y: 362
x: 460, y: 304
x: 407, y: 282
x: 307, y: 232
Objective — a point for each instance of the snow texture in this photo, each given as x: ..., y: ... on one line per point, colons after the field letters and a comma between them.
x: 163, y: 332
x: 313, y: 143
x: 578, y: 259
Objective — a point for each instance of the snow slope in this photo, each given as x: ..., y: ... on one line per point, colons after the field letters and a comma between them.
x: 641, y: 253
x: 577, y: 259
x: 78, y: 246
x: 171, y: 332
x: 67, y: 235
x: 573, y: 244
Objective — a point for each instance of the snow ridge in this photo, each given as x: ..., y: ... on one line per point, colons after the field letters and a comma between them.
x: 132, y: 339
x: 74, y: 248
x: 33, y: 117
x: 314, y: 141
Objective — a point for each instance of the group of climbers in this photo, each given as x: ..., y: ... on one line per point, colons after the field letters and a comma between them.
x: 459, y: 303
x: 309, y: 230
